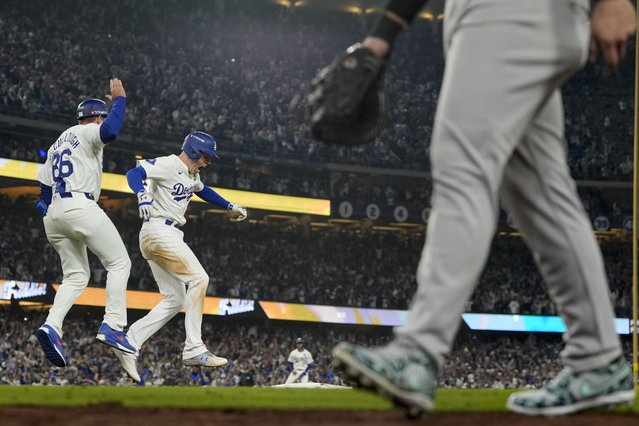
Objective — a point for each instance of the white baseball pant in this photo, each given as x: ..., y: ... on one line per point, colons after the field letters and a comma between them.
x: 182, y: 281
x: 72, y: 225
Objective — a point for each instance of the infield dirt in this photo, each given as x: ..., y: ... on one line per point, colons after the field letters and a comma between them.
x: 114, y: 414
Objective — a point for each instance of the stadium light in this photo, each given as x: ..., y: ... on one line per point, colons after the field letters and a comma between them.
x: 426, y: 15
x: 354, y: 9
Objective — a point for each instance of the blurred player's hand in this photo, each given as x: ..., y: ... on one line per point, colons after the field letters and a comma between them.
x: 144, y: 204
x: 116, y: 89
x: 612, y: 23
x: 240, y: 212
x: 345, y: 101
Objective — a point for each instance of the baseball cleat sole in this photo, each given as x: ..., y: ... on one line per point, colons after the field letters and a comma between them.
x: 414, y: 404
x: 50, y: 351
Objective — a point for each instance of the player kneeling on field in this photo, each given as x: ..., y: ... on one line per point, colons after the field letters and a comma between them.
x: 301, y: 361
x: 171, y: 182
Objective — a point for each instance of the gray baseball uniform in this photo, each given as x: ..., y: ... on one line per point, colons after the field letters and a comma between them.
x: 499, y: 133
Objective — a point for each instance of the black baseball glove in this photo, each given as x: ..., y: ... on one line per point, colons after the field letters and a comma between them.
x: 346, y: 99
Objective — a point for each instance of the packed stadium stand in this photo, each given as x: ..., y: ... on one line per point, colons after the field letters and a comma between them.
x: 231, y: 69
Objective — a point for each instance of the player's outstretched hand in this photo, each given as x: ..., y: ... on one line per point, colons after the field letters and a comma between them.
x: 116, y: 89
x: 144, y: 204
x: 240, y: 212
x: 612, y: 23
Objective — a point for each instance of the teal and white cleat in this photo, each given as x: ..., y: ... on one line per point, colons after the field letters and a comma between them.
x: 409, y: 381
x: 572, y: 391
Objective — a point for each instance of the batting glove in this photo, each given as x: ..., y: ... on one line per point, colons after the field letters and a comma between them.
x: 241, y: 212
x: 42, y: 207
x: 144, y: 204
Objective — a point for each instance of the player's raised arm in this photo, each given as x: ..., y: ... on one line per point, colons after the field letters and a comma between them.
x: 110, y: 128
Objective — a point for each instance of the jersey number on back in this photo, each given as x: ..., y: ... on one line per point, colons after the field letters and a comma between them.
x: 61, y: 167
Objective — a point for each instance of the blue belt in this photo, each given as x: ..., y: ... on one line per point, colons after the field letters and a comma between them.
x: 70, y: 195
x: 167, y: 222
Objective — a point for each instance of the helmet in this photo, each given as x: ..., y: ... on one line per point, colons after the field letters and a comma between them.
x: 299, y: 340
x: 198, y: 143
x: 92, y: 108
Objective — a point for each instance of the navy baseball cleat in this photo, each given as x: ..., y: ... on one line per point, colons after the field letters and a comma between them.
x: 51, y: 345
x: 409, y: 380
x: 573, y: 391
x: 115, y: 338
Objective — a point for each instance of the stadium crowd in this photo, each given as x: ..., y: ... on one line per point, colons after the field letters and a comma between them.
x: 359, y: 189
x: 232, y: 69
x: 294, y: 263
x: 257, y: 354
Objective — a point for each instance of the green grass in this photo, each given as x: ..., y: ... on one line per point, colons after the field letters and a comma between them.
x: 245, y: 398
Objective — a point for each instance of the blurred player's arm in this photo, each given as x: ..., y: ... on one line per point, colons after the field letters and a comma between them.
x: 398, y: 15
x: 346, y: 99
x: 110, y: 128
x: 210, y: 196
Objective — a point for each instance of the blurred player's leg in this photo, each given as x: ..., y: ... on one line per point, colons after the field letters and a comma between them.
x: 473, y: 139
x: 528, y: 48
x: 174, y: 294
x: 75, y: 271
x: 104, y: 240
x: 542, y: 197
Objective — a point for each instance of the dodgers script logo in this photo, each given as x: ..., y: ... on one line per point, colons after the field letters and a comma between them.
x: 180, y: 192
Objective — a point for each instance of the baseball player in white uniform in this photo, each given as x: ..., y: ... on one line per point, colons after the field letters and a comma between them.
x: 171, y: 182
x: 302, y: 361
x: 70, y: 183
x: 498, y: 133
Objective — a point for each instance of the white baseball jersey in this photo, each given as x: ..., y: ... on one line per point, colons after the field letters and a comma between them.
x: 171, y: 187
x: 74, y: 161
x: 300, y: 360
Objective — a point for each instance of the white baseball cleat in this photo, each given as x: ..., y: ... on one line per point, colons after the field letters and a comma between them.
x: 128, y: 363
x: 207, y: 359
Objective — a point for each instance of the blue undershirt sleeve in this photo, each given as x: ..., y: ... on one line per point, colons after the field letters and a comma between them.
x: 135, y: 178
x: 207, y: 194
x: 46, y: 193
x: 110, y: 128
